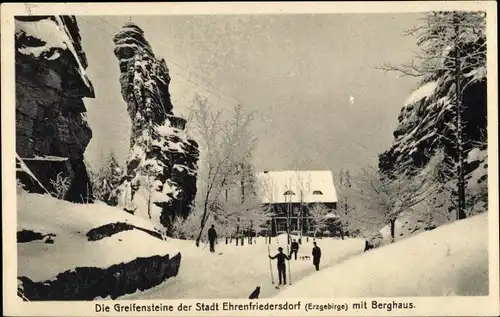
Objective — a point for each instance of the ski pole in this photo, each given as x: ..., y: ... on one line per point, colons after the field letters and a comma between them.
x: 270, y: 264
x: 289, y: 264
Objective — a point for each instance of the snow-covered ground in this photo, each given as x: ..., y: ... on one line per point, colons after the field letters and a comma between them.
x: 71, y: 248
x: 239, y: 270
x: 451, y: 260
x: 233, y: 274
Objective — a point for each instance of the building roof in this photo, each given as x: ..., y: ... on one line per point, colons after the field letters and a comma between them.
x: 296, y: 186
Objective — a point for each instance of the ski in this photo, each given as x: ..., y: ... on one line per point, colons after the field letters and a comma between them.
x: 270, y: 264
x: 289, y: 265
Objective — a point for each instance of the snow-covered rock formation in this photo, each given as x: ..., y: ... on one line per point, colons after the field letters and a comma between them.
x: 51, y: 126
x: 68, y: 251
x: 427, y: 122
x: 160, y: 181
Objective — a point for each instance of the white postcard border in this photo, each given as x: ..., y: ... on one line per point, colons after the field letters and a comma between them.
x: 456, y: 306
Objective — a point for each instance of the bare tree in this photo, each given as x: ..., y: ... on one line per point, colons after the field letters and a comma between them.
x: 453, y: 44
x: 390, y: 196
x: 226, y: 144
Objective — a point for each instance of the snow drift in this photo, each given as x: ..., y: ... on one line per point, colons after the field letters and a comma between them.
x: 64, y: 253
x: 451, y: 260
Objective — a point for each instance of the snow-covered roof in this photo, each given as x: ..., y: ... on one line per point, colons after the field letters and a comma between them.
x: 296, y: 186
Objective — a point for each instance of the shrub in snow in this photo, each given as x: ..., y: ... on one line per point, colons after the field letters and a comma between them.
x: 373, y: 241
x: 61, y: 185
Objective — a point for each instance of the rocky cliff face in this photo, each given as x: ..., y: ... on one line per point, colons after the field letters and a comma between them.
x: 51, y: 127
x: 427, y: 122
x: 160, y: 182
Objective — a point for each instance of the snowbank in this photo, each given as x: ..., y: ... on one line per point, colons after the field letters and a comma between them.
x: 71, y: 248
x: 234, y: 271
x: 450, y: 260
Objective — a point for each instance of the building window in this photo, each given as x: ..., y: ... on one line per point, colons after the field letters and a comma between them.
x: 289, y: 192
x: 317, y: 192
x: 281, y: 225
x: 296, y: 211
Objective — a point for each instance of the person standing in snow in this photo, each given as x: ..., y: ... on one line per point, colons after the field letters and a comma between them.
x: 212, y: 236
x: 294, y: 248
x: 316, y: 253
x: 281, y: 264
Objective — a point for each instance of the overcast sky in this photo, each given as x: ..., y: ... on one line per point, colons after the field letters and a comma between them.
x: 297, y: 72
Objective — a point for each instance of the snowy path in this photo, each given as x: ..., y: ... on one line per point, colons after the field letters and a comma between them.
x: 237, y: 272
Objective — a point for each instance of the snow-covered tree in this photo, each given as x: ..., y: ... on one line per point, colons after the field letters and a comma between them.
x: 226, y: 146
x: 318, y: 213
x: 106, y: 178
x: 444, y: 202
x: 451, y: 44
x: 388, y: 197
x: 345, y: 203
x: 187, y: 228
x: 241, y: 216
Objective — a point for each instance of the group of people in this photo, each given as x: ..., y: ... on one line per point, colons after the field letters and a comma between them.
x: 294, y: 249
x: 280, y: 256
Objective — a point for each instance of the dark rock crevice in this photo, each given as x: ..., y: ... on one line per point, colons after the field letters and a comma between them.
x: 111, y: 229
x: 25, y: 236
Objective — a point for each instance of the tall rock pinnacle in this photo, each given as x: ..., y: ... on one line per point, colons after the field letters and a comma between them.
x: 161, y: 168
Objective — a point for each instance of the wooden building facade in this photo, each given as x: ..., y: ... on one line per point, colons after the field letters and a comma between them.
x: 291, y: 195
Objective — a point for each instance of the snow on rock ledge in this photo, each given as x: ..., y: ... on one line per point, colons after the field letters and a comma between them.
x: 114, y: 265
x: 154, y: 187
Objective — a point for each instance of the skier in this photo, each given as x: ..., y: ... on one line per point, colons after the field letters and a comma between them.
x: 295, y: 249
x: 281, y: 264
x: 316, y: 253
x: 212, y: 236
